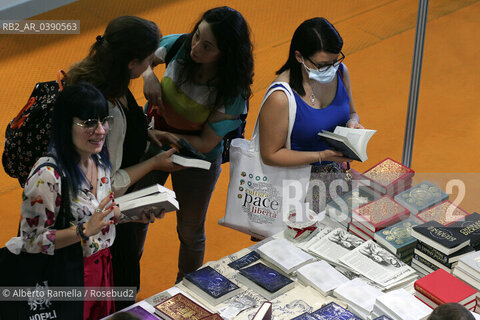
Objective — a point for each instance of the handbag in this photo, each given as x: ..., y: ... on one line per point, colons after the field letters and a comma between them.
x: 256, y: 198
x: 41, y: 271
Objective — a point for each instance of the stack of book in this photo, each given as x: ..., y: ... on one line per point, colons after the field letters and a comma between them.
x: 438, y: 247
x: 441, y: 287
x: 154, y: 198
x: 445, y: 213
x: 375, y: 216
x: 398, y: 239
x: 421, y: 197
x: 284, y: 255
x: 359, y: 295
x: 266, y: 281
x: 331, y: 311
x: 400, y: 305
x: 468, y: 270
x: 388, y: 177
x: 321, y: 276
x: 375, y: 263
x: 340, y: 208
x: 471, y: 228
x: 210, y: 285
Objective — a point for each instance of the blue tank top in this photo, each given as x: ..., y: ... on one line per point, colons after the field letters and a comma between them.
x: 310, y: 121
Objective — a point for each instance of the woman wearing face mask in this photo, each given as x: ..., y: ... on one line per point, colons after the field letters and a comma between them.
x: 321, y: 87
x: 202, y: 93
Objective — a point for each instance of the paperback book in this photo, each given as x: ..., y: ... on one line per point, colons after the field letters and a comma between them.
x: 321, y: 276
x: 210, y: 285
x: 445, y: 239
x: 389, y: 177
x: 334, y: 245
x: 244, y: 261
x: 421, y: 197
x: 447, y: 260
x: 399, y: 304
x: 284, y: 255
x: 471, y: 228
x: 445, y: 213
x: 359, y: 295
x: 265, y: 280
x: 351, y: 142
x: 141, y: 313
x: 470, y: 265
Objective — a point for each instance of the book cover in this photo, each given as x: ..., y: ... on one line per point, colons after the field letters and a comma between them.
x: 400, y: 304
x: 153, y: 189
x: 360, y: 230
x: 380, y: 213
x: 305, y: 316
x: 155, y: 202
x: 470, y: 228
x: 190, y: 162
x: 335, y: 244
x: 264, y: 312
x: 321, y: 276
x: 471, y: 264
x: 265, y: 277
x: 340, y: 208
x: 397, y: 237
x: 351, y: 142
x: 333, y: 311
x: 187, y: 155
x: 141, y: 313
x: 211, y: 282
x: 420, y: 254
x: 386, y: 174
x: 445, y: 239
x: 442, y: 287
x: 180, y: 307
x: 359, y: 294
x: 244, y: 261
x: 421, y: 197
x: 440, y: 256
x: 445, y: 213
x: 425, y: 264
x: 383, y: 318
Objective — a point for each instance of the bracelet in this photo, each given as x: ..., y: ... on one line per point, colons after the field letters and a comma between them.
x: 80, y: 233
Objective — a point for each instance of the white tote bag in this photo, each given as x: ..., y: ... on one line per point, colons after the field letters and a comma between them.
x: 255, y: 191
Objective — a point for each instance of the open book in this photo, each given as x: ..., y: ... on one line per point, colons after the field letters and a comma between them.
x: 351, y: 142
x: 153, y: 198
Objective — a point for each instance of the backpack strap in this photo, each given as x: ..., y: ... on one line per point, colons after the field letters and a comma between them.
x: 174, y: 49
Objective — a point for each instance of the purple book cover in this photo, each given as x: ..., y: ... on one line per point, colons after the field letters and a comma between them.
x: 142, y: 313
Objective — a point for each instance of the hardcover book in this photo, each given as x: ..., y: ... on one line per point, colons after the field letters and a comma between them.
x: 361, y: 233
x: 187, y: 155
x: 470, y: 264
x: 211, y: 285
x: 389, y: 176
x: 440, y: 256
x: 141, y: 313
x: 265, y: 280
x: 471, y: 228
x: 398, y: 237
x: 176, y: 307
x: 284, y: 255
x: 425, y: 264
x: 244, y: 261
x: 264, y: 312
x: 333, y: 311
x: 442, y: 287
x: 305, y: 316
x: 321, y: 276
x: 214, y: 316
x: 134, y: 204
x: 351, y: 142
x: 434, y: 262
x: 445, y: 213
x: 340, y: 208
x: 421, y: 197
x: 445, y: 239
x: 380, y: 213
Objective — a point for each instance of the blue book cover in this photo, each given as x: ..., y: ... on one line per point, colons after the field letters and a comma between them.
x: 244, y: 261
x: 304, y: 316
x: 398, y: 237
x: 211, y: 282
x: 421, y: 197
x: 266, y: 277
x: 383, y: 318
x: 333, y: 311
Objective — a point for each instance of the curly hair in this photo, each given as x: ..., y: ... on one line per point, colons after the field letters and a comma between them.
x: 125, y: 39
x: 235, y: 65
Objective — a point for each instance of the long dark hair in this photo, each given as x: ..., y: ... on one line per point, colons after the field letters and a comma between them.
x: 126, y: 38
x: 83, y: 101
x: 235, y: 65
x: 312, y: 36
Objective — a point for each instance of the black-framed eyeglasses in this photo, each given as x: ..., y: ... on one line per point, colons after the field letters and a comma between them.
x: 91, y: 125
x: 325, y: 67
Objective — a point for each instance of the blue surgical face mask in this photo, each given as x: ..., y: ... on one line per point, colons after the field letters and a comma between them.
x: 321, y: 76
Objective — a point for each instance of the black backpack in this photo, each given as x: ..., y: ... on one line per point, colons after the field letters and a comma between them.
x: 236, y: 133
x: 27, y: 136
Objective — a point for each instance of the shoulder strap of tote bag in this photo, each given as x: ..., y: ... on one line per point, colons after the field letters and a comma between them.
x: 292, y: 111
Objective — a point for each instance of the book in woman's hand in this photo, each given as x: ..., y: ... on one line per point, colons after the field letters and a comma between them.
x: 351, y: 142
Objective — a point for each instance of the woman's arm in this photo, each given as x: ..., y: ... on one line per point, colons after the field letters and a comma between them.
x: 273, y: 133
x: 354, y: 121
